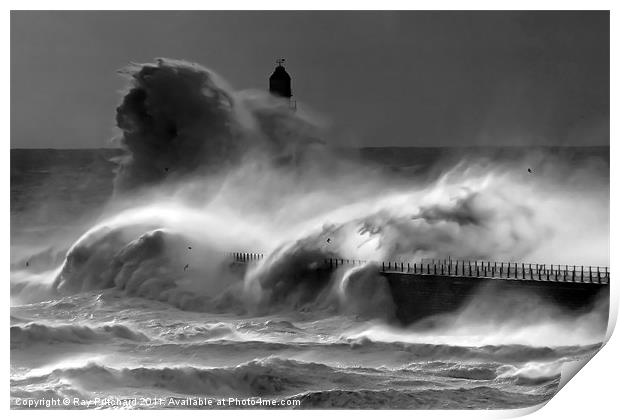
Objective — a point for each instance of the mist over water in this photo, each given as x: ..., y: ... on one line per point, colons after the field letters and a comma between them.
x: 208, y: 170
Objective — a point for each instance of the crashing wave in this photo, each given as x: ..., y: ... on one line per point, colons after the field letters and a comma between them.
x: 179, y: 118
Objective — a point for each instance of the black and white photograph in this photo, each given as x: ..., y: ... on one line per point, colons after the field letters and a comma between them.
x: 307, y: 209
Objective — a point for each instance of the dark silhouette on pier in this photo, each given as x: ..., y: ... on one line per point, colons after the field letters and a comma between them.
x: 280, y: 81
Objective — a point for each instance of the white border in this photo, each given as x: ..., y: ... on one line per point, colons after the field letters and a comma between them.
x: 592, y: 394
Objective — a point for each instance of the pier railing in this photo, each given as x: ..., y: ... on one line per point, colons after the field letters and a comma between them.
x: 472, y: 268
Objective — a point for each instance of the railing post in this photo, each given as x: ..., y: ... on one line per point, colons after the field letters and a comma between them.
x: 508, y: 272
x: 383, y: 266
x: 435, y: 268
x: 582, y: 273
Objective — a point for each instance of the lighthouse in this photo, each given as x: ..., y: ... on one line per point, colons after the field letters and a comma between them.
x: 280, y: 84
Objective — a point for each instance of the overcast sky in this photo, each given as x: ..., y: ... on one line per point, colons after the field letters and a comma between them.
x: 380, y: 78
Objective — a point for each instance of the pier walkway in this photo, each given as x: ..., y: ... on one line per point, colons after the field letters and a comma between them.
x: 469, y: 269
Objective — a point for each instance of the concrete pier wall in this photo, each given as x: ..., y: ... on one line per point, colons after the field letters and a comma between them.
x: 418, y: 296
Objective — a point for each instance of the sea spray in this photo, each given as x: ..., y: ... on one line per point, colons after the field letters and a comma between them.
x: 212, y: 170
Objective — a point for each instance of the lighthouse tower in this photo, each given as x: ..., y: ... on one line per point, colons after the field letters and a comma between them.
x: 280, y: 84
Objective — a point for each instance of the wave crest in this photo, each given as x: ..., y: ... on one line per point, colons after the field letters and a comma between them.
x: 36, y: 333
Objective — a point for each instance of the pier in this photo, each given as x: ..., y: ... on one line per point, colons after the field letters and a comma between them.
x: 469, y: 269
x: 432, y: 287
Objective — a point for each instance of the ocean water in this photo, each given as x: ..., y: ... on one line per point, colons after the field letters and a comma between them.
x: 110, y: 347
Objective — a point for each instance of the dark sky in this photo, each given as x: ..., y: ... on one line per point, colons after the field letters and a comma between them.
x: 380, y: 78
